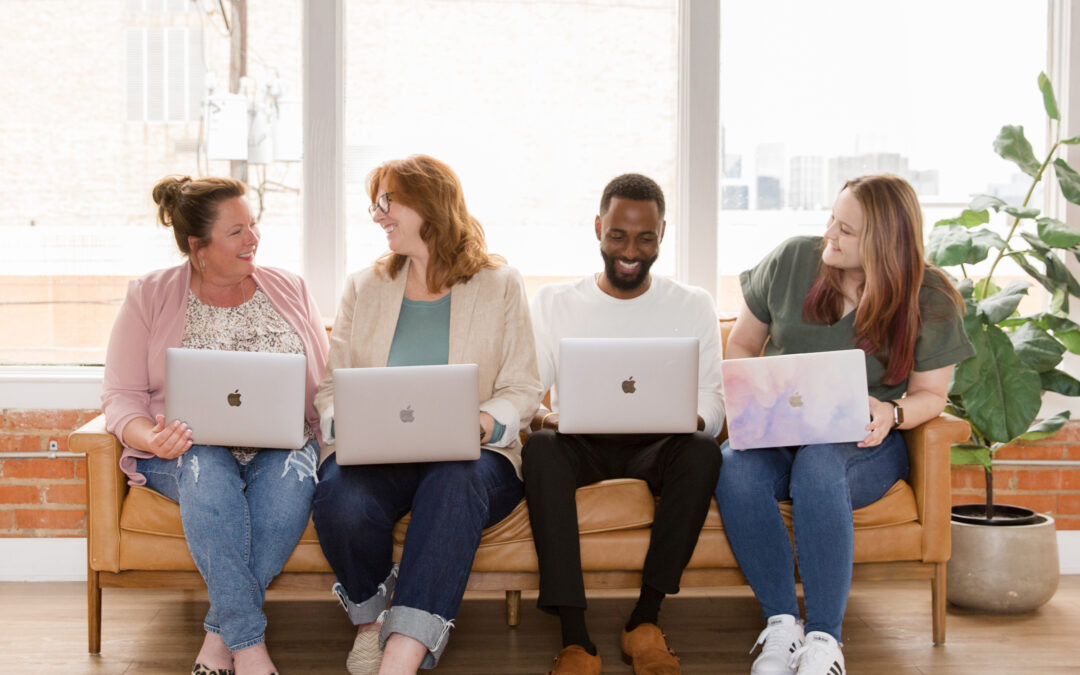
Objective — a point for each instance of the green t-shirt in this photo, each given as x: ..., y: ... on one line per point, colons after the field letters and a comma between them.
x: 776, y: 289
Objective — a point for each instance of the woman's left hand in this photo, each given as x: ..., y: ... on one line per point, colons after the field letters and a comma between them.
x: 881, y: 423
x: 487, y: 423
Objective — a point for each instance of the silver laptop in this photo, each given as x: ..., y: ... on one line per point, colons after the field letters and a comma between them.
x: 627, y: 385
x: 796, y: 399
x: 406, y: 414
x: 246, y: 399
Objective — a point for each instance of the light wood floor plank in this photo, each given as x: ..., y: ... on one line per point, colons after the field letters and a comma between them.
x: 887, y: 631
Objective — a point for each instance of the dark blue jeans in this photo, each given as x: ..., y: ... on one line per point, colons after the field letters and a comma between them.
x: 355, y: 509
x: 825, y: 483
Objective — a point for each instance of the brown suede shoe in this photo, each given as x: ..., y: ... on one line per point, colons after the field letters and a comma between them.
x: 645, y: 648
x: 574, y: 660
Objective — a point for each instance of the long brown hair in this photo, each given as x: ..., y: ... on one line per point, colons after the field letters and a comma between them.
x: 455, y: 239
x: 887, y: 319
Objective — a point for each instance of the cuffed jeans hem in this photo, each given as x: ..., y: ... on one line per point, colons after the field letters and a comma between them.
x: 370, y: 609
x: 244, y: 644
x: 430, y: 630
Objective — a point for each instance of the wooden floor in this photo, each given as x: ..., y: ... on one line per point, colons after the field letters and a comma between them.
x: 887, y: 631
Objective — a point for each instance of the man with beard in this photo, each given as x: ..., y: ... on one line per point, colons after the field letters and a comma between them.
x: 622, y: 301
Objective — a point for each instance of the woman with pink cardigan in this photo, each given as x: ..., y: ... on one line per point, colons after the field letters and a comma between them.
x: 243, y: 509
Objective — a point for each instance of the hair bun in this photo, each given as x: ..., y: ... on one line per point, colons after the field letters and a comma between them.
x: 167, y: 196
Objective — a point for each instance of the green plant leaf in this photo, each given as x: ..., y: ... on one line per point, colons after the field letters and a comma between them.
x: 970, y: 455
x: 984, y: 202
x: 1004, y: 395
x: 1059, y: 302
x: 967, y: 218
x: 982, y: 240
x: 1075, y: 140
x: 1046, y: 427
x: 1069, y: 338
x: 1057, y: 234
x: 1046, y: 281
x: 1068, y: 179
x: 1021, y: 212
x: 964, y: 287
x: 1036, y: 348
x: 948, y: 245
x: 1013, y: 146
x: 1035, y: 243
x: 1057, y: 270
x: 1056, y: 323
x: 1049, y: 102
x: 985, y: 288
x: 1060, y: 382
x: 1002, y: 304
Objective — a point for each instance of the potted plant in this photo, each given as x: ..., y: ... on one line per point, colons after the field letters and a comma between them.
x: 999, y: 389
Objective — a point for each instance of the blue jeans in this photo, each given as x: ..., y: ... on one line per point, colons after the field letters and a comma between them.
x: 241, y: 522
x: 825, y: 483
x: 355, y: 510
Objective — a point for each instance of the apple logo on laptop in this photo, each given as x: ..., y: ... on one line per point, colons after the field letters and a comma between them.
x: 795, y: 400
x: 234, y: 398
x: 628, y: 385
x: 406, y: 415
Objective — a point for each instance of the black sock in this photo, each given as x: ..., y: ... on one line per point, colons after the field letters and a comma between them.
x: 573, y: 629
x: 647, y: 609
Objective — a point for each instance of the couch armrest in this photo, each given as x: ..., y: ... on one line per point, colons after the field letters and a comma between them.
x: 928, y: 449
x: 106, y: 487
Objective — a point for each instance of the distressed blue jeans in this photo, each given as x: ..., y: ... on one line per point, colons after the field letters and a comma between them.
x: 241, y: 523
x: 825, y: 483
x: 355, y: 510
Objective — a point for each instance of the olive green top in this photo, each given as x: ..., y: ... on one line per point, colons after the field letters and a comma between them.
x: 776, y: 289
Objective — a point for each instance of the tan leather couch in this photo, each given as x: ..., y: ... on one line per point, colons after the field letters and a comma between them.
x: 135, y: 538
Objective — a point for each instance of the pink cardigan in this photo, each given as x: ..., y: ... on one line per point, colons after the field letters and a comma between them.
x: 152, y: 319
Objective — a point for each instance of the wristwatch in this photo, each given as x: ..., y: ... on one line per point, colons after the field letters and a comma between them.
x: 897, y: 414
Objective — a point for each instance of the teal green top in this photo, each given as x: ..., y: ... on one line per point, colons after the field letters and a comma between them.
x: 422, y: 338
x: 776, y: 289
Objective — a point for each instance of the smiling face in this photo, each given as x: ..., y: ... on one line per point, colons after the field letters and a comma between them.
x: 401, y: 225
x: 630, y: 232
x: 843, y: 234
x: 234, y: 237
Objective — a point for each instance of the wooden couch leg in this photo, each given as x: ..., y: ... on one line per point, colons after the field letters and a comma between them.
x: 513, y: 608
x: 93, y: 610
x: 937, y: 593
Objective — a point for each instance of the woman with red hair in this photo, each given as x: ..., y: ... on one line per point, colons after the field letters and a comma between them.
x: 862, y: 285
x: 437, y: 297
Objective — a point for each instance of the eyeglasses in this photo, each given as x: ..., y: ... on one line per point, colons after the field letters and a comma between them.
x: 381, y: 204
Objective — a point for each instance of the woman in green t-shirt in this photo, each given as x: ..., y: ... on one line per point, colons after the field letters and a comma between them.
x: 863, y: 285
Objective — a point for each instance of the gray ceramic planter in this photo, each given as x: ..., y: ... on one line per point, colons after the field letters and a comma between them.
x: 1003, y: 569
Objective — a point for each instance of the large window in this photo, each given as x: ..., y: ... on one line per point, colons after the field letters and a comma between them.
x: 813, y: 94
x: 102, y: 101
x: 536, y: 106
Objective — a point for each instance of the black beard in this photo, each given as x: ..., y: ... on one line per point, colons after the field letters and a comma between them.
x: 621, y: 283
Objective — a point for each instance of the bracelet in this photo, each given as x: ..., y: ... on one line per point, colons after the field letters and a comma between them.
x: 543, y: 419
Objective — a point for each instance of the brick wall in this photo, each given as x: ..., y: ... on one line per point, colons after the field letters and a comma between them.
x: 47, y: 497
x: 41, y: 497
x: 1053, y: 490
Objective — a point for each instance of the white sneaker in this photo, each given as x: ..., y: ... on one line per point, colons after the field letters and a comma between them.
x: 820, y: 655
x: 781, y: 637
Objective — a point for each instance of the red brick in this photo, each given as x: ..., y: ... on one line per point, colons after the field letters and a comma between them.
x: 1040, y: 503
x: 1070, y: 479
x: 20, y: 443
x: 69, y: 493
x: 1069, y: 505
x: 87, y: 415
x: 43, y: 519
x: 80, y: 469
x: 38, y: 468
x: 7, y: 521
x: 43, y: 419
x: 20, y: 494
x: 61, y: 443
x: 1070, y: 433
x: 968, y: 498
x: 968, y: 477
x: 1072, y: 452
x: 1038, y: 479
x: 1004, y: 479
x: 1067, y: 523
x: 1031, y: 452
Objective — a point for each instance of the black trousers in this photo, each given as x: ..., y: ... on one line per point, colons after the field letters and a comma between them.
x: 682, y: 469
